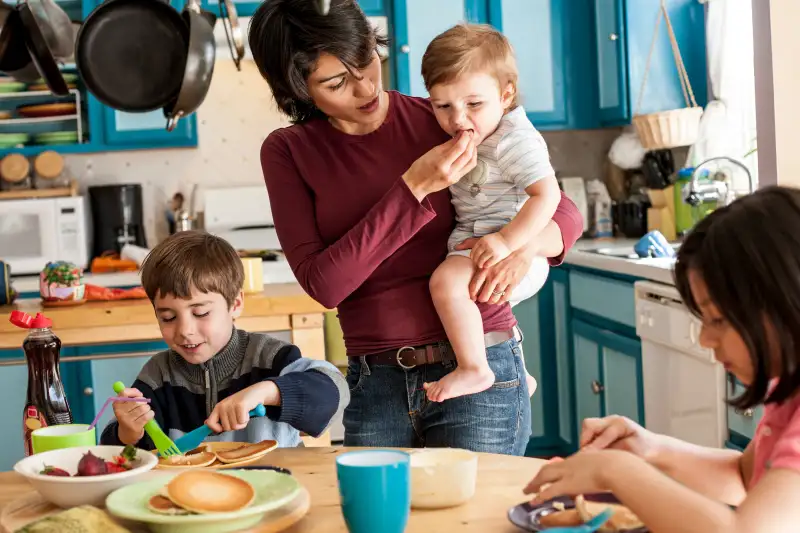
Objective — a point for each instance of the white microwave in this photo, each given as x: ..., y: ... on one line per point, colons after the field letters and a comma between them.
x: 36, y: 231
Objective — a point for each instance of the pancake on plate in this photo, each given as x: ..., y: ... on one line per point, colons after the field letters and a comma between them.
x: 162, y: 505
x: 196, y: 460
x: 623, y: 518
x: 568, y: 518
x: 203, y: 491
x: 246, y: 452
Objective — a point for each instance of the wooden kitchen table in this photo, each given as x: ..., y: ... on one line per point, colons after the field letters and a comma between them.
x: 500, y: 482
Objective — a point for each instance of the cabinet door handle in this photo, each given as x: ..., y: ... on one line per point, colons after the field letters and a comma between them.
x: 747, y: 413
x: 597, y: 387
x: 405, y: 49
x: 88, y: 391
x: 613, y: 37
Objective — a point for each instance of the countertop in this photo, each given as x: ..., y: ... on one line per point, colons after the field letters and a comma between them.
x: 655, y: 269
x: 279, y: 307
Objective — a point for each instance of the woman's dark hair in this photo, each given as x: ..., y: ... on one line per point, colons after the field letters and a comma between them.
x: 288, y: 36
x: 748, y: 255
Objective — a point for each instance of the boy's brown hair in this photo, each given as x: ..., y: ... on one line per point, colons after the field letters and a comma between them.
x: 470, y: 49
x: 193, y: 259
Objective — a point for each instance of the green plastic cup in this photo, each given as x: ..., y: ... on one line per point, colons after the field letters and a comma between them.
x: 62, y: 436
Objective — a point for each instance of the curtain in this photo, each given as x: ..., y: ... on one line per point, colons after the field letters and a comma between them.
x: 728, y: 126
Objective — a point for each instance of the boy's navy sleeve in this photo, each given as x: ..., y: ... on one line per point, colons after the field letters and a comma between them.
x: 312, y: 391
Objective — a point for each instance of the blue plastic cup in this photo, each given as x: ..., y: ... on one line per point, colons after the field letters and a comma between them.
x: 375, y: 489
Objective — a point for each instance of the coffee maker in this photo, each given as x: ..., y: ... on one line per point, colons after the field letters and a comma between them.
x: 117, y: 217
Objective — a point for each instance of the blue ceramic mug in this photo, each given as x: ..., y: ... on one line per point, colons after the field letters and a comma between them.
x: 375, y: 489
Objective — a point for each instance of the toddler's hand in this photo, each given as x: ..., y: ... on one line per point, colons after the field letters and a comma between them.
x: 132, y: 416
x: 490, y: 250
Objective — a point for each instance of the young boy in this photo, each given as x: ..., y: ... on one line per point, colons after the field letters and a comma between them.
x: 507, y: 200
x: 212, y: 372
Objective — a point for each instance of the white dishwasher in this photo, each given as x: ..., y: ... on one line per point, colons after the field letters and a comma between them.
x: 684, y: 387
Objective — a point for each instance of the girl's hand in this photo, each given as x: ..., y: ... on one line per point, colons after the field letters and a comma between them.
x: 583, y: 473
x: 490, y: 250
x: 442, y: 165
x: 618, y: 433
x: 494, y: 284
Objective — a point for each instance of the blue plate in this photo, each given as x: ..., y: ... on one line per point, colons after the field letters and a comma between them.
x: 527, y: 517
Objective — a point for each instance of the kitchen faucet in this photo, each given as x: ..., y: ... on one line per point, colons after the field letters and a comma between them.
x: 696, y: 193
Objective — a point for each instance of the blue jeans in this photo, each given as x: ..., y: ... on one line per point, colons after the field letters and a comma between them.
x: 389, y: 408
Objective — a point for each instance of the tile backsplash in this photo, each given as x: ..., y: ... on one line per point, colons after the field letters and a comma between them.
x: 235, y: 118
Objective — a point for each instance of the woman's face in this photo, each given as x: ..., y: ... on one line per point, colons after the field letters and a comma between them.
x: 354, y: 101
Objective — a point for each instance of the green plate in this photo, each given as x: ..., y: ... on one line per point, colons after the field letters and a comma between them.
x: 13, y: 139
x: 56, y: 137
x: 273, y: 489
x: 12, y: 87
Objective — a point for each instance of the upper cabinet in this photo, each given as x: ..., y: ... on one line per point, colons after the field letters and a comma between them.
x: 415, y: 25
x: 581, y: 62
x: 623, y: 40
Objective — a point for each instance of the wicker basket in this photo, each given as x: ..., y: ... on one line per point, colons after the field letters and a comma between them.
x: 668, y: 129
x: 675, y: 127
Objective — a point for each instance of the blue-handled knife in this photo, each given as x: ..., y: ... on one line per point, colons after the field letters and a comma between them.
x: 195, y: 438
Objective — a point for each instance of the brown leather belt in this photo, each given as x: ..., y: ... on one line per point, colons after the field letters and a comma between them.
x: 409, y: 356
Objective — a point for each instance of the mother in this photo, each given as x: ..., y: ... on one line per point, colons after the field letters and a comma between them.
x: 358, y: 191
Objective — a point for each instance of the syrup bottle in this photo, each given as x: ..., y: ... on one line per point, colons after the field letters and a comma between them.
x: 46, y: 403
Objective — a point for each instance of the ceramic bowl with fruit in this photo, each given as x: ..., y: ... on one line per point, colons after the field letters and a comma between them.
x: 85, y: 475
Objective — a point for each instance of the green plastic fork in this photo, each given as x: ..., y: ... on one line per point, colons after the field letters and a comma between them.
x: 164, y: 445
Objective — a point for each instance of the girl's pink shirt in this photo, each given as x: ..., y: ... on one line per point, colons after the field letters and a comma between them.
x: 777, y: 439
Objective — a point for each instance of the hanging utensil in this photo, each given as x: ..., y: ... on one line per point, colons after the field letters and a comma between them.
x: 233, y: 31
x: 323, y: 6
x: 199, y: 66
x: 131, y: 54
x: 40, y: 49
x: 56, y: 27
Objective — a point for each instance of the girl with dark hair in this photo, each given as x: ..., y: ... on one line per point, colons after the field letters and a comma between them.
x: 739, y: 272
x: 358, y: 192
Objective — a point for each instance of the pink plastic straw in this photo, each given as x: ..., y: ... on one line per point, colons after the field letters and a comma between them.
x: 115, y: 399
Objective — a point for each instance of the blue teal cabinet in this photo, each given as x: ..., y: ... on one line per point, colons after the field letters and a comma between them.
x: 146, y: 130
x: 607, y: 375
x: 415, y: 24
x: 544, y: 321
x: 14, y: 383
x: 536, y: 31
x: 623, y: 35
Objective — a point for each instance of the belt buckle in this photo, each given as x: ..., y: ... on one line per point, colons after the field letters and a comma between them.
x: 399, y: 353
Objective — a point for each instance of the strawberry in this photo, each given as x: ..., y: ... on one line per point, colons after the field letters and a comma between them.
x: 54, y: 471
x: 113, y: 468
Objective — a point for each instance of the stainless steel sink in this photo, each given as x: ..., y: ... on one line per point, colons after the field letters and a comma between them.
x: 622, y: 252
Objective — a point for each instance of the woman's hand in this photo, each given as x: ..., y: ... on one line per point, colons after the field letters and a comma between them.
x: 442, y: 165
x: 585, y: 472
x: 494, y: 284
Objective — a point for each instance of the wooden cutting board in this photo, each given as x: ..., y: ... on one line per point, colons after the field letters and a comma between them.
x: 32, y: 507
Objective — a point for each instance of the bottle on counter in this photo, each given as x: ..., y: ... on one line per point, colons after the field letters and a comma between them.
x: 46, y: 403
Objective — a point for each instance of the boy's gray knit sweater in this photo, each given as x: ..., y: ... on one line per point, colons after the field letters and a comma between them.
x: 183, y: 395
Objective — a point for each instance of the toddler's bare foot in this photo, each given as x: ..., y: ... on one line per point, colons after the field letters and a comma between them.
x: 531, y: 384
x: 460, y: 382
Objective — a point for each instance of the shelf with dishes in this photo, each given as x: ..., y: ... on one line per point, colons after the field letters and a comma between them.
x: 32, y: 117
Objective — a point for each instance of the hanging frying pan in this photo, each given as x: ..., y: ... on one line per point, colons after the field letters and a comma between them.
x: 15, y: 61
x: 131, y: 54
x: 40, y: 51
x: 199, y: 66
